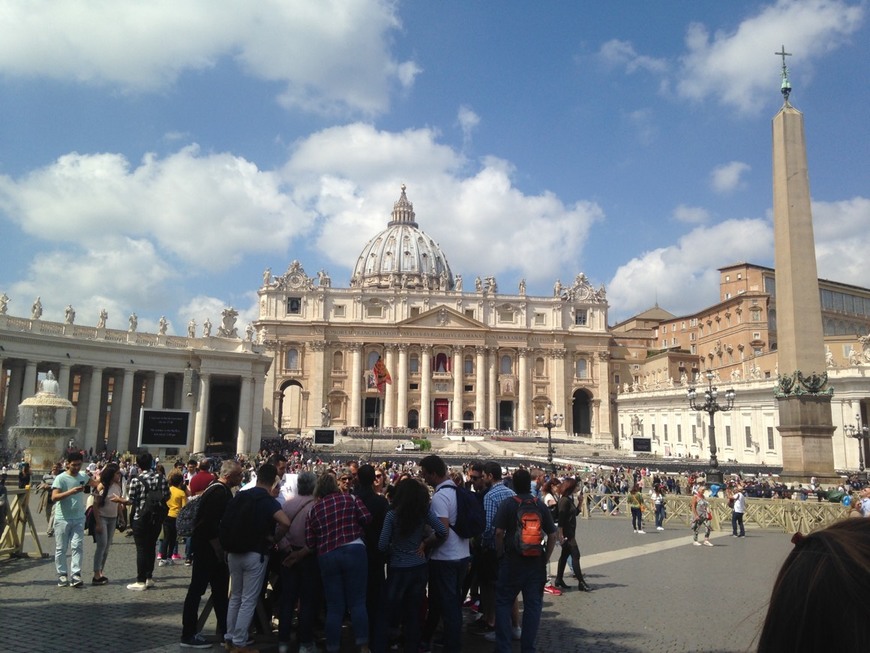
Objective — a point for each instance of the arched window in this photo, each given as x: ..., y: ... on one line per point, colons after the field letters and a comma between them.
x: 581, y: 368
x: 338, y: 362
x: 291, y: 359
x: 539, y: 367
x: 373, y: 358
x: 413, y: 419
x: 442, y: 362
x: 506, y: 364
x: 468, y: 368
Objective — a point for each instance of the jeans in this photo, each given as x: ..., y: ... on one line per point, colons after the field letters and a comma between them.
x: 737, y: 519
x: 514, y: 576
x: 145, y: 536
x: 344, y: 572
x: 636, y: 519
x: 302, y: 583
x: 69, y: 535
x: 660, y: 515
x: 104, y: 541
x: 402, y: 603
x: 170, y: 538
x: 445, y: 587
x: 207, y: 570
x: 247, y: 571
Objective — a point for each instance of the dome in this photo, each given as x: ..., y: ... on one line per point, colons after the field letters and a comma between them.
x: 402, y: 256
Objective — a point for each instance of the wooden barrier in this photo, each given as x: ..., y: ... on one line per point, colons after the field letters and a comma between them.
x: 16, y: 525
x: 787, y: 515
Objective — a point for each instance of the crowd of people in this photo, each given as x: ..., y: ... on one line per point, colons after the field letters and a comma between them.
x: 385, y: 543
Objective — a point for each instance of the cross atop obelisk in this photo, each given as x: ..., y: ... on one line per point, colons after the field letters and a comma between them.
x: 785, y: 89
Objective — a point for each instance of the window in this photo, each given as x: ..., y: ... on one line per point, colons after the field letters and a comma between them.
x: 468, y: 365
x: 506, y: 365
x: 414, y: 364
x: 442, y: 363
x: 580, y: 317
x: 653, y: 433
x: 291, y: 360
x: 506, y: 316
x: 616, y: 380
x: 294, y: 305
x: 469, y: 312
x: 540, y: 370
x: 337, y: 362
x: 338, y: 310
x: 679, y: 432
x: 727, y: 277
x: 727, y: 436
x: 694, y: 349
x: 468, y: 388
x: 540, y: 319
x: 694, y: 433
x: 665, y: 428
x: 374, y: 310
x: 580, y: 368
x: 770, y: 438
x: 415, y: 311
x: 748, y: 437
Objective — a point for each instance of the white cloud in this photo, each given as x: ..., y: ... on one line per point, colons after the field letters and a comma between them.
x: 351, y: 176
x: 645, y: 127
x: 730, y: 66
x: 728, y: 176
x: 691, y: 214
x: 617, y: 53
x: 468, y: 122
x: 684, y: 276
x: 842, y: 233
x: 332, y: 55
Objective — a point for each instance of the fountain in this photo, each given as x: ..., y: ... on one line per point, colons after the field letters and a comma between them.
x: 42, y: 433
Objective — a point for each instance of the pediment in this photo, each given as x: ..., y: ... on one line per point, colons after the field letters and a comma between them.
x: 442, y: 317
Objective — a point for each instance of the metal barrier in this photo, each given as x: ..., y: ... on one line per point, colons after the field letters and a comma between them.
x: 787, y: 515
x: 16, y: 524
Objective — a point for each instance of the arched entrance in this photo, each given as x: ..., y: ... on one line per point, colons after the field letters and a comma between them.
x: 581, y: 412
x: 290, y: 407
x: 442, y: 413
x: 467, y: 421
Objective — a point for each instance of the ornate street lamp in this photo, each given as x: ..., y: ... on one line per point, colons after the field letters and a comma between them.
x: 550, y: 421
x: 860, y: 433
x: 711, y: 406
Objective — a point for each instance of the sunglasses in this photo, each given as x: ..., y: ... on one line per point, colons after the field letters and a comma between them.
x: 379, y: 475
x: 344, y: 479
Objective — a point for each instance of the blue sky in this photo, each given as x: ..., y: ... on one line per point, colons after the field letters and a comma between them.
x: 156, y: 157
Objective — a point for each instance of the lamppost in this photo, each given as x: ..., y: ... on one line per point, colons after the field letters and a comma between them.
x: 860, y: 433
x: 711, y: 407
x: 550, y: 421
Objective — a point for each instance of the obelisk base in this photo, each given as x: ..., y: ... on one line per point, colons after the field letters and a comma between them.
x: 806, y: 430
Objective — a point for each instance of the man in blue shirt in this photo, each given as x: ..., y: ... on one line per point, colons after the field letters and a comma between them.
x: 68, y: 494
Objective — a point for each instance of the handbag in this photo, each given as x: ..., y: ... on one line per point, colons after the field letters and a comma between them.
x: 90, y: 521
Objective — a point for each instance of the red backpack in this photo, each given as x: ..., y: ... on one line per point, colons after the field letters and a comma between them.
x: 529, y: 533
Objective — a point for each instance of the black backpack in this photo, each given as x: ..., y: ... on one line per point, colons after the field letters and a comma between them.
x: 242, y: 528
x: 154, y: 511
x: 470, y: 516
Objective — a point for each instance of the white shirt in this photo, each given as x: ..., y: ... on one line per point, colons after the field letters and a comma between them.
x: 739, y: 502
x: 444, y: 505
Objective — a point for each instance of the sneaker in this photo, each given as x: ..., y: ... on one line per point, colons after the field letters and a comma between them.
x: 696, y: 543
x: 642, y: 532
x: 634, y: 531
x: 489, y: 636
x: 196, y: 641
x: 549, y: 589
x: 176, y: 557
x: 161, y: 562
x: 76, y: 581
x: 188, y: 562
x: 149, y: 583
x: 137, y: 587
x: 102, y: 580
x: 708, y: 543
x: 739, y: 536
x: 62, y: 581
x: 517, y: 633
x: 660, y: 528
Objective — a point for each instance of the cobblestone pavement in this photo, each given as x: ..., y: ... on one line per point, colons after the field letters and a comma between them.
x: 650, y: 593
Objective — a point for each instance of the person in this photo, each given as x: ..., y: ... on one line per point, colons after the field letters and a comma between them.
x: 68, y: 494
x: 861, y: 507
x: 701, y: 516
x: 635, y: 501
x: 202, y: 479
x: 335, y: 530
x: 377, y: 506
x: 107, y: 500
x: 45, y: 488
x: 737, y: 512
x: 176, y: 501
x: 487, y: 568
x: 248, y: 567
x: 567, y: 513
x: 819, y: 598
x: 209, y: 561
x: 300, y: 577
x: 657, y: 496
x: 24, y: 476
x: 146, y: 523
x: 449, y: 562
x: 520, y: 573
x: 405, y: 541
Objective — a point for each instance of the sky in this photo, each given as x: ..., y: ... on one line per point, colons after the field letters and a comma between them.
x: 156, y: 157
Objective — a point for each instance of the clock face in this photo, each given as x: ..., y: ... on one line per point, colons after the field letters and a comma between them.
x: 294, y: 280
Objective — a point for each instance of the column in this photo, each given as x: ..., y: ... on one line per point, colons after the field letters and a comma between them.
x: 480, y: 386
x: 601, y: 416
x: 157, y: 390
x: 492, y: 382
x: 389, y: 388
x: 93, y: 433
x: 13, y: 393
x: 314, y: 362
x: 523, y: 400
x: 243, y: 437
x: 561, y: 404
x: 200, y: 433
x: 457, y: 388
x: 257, y: 414
x: 63, y: 380
x: 401, y: 382
x: 29, y: 389
x: 425, y: 386
x: 355, y: 384
x: 125, y: 439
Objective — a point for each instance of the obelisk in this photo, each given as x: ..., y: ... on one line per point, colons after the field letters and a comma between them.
x: 803, y: 397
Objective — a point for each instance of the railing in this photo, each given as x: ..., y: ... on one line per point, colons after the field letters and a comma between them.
x: 16, y: 523
x: 787, y: 515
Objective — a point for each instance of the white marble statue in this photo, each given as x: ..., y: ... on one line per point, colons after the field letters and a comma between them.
x: 854, y: 356
x: 325, y: 417
x: 36, y: 309
x: 457, y: 283
x: 249, y: 332
x: 191, y: 328
x: 69, y: 314
x: 684, y: 379
x: 228, y: 329
x: 162, y: 325
x: 49, y: 384
x: 267, y: 276
x: 134, y: 322
x: 557, y: 288
x: 522, y: 288
x: 206, y: 328
x: 829, y: 357
x: 478, y: 284
x: 4, y: 303
x: 104, y: 317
